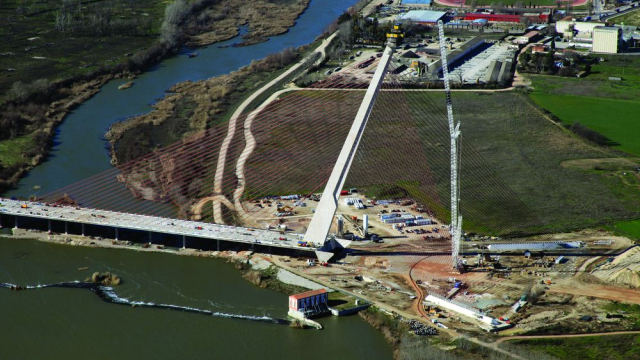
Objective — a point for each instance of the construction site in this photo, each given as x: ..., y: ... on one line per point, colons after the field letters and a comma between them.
x: 407, y: 213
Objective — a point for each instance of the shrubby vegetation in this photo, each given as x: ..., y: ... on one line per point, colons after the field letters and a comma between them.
x: 32, y: 107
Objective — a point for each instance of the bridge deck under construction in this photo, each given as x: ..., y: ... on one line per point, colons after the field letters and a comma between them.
x: 152, y: 224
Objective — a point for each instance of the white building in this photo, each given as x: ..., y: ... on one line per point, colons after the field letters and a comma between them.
x: 567, y: 24
x: 606, y: 39
x: 424, y: 17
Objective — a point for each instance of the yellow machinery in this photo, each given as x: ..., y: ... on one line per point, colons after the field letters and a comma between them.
x: 396, y: 34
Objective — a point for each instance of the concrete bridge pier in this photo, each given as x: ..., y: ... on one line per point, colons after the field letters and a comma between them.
x: 184, y: 241
x: 49, y: 225
x: 82, y: 229
x: 150, y: 236
x: 66, y: 228
x: 16, y: 223
x: 116, y: 234
x: 218, y: 241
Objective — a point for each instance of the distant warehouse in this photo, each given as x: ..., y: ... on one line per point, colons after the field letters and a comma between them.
x: 416, y: 2
x: 423, y: 17
x: 493, y: 17
x: 536, y: 246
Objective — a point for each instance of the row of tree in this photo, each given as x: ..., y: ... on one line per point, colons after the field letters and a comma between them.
x: 103, y: 18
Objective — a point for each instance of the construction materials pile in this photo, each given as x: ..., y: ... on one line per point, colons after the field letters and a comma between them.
x: 624, y: 269
x: 419, y: 328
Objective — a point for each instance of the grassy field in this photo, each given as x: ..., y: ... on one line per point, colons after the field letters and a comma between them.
x: 615, y: 119
x: 628, y: 228
x: 622, y: 347
x: 630, y: 18
x: 512, y: 174
x: 608, y: 107
x: 11, y: 150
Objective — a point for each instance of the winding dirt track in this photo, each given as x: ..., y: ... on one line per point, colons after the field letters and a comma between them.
x: 224, y: 148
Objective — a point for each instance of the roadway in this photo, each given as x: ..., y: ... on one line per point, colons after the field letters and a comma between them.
x: 151, y: 224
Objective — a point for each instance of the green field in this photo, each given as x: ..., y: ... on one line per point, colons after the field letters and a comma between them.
x: 612, y: 347
x: 513, y: 180
x: 11, y: 150
x: 615, y: 119
x: 608, y: 107
x: 631, y: 18
x: 628, y: 228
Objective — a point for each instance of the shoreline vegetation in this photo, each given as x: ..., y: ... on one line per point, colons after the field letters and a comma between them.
x: 31, y: 111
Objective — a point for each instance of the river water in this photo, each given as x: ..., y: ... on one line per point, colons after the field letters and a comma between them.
x: 79, y: 150
x: 74, y: 323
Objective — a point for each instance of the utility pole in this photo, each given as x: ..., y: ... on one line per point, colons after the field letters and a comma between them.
x: 454, y: 132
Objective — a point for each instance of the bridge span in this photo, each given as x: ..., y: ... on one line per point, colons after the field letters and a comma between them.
x: 145, y: 223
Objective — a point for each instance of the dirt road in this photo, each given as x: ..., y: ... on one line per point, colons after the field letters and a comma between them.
x: 525, y: 337
x: 615, y: 293
x: 423, y: 318
x: 222, y: 155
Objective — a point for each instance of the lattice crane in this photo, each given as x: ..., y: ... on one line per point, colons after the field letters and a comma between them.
x: 454, y: 132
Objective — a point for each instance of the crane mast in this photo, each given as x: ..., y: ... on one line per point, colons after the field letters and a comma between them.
x: 454, y: 132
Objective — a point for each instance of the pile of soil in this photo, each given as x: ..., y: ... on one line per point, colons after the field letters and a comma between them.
x: 623, y: 270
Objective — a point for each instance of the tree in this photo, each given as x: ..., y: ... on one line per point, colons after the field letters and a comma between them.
x: 548, y: 61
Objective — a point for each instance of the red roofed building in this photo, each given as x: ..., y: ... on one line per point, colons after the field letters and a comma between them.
x: 308, y: 303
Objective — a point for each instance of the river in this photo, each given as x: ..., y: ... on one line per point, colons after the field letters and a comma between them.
x: 79, y: 149
x: 74, y: 323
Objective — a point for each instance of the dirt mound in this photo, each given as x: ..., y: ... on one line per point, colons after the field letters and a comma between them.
x: 623, y: 270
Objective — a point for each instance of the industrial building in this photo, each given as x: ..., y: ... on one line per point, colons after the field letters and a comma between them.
x: 499, y: 71
x: 527, y: 38
x: 536, y: 246
x: 308, y: 304
x: 485, y: 322
x: 416, y: 2
x: 569, y: 25
x: 606, y: 39
x: 468, y: 48
x: 501, y: 18
x: 423, y: 17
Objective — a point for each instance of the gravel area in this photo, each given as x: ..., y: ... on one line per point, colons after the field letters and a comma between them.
x: 288, y: 277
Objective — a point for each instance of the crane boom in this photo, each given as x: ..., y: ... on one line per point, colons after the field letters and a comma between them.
x: 454, y: 132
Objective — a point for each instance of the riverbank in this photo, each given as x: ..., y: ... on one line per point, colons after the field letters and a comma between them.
x: 33, y: 109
